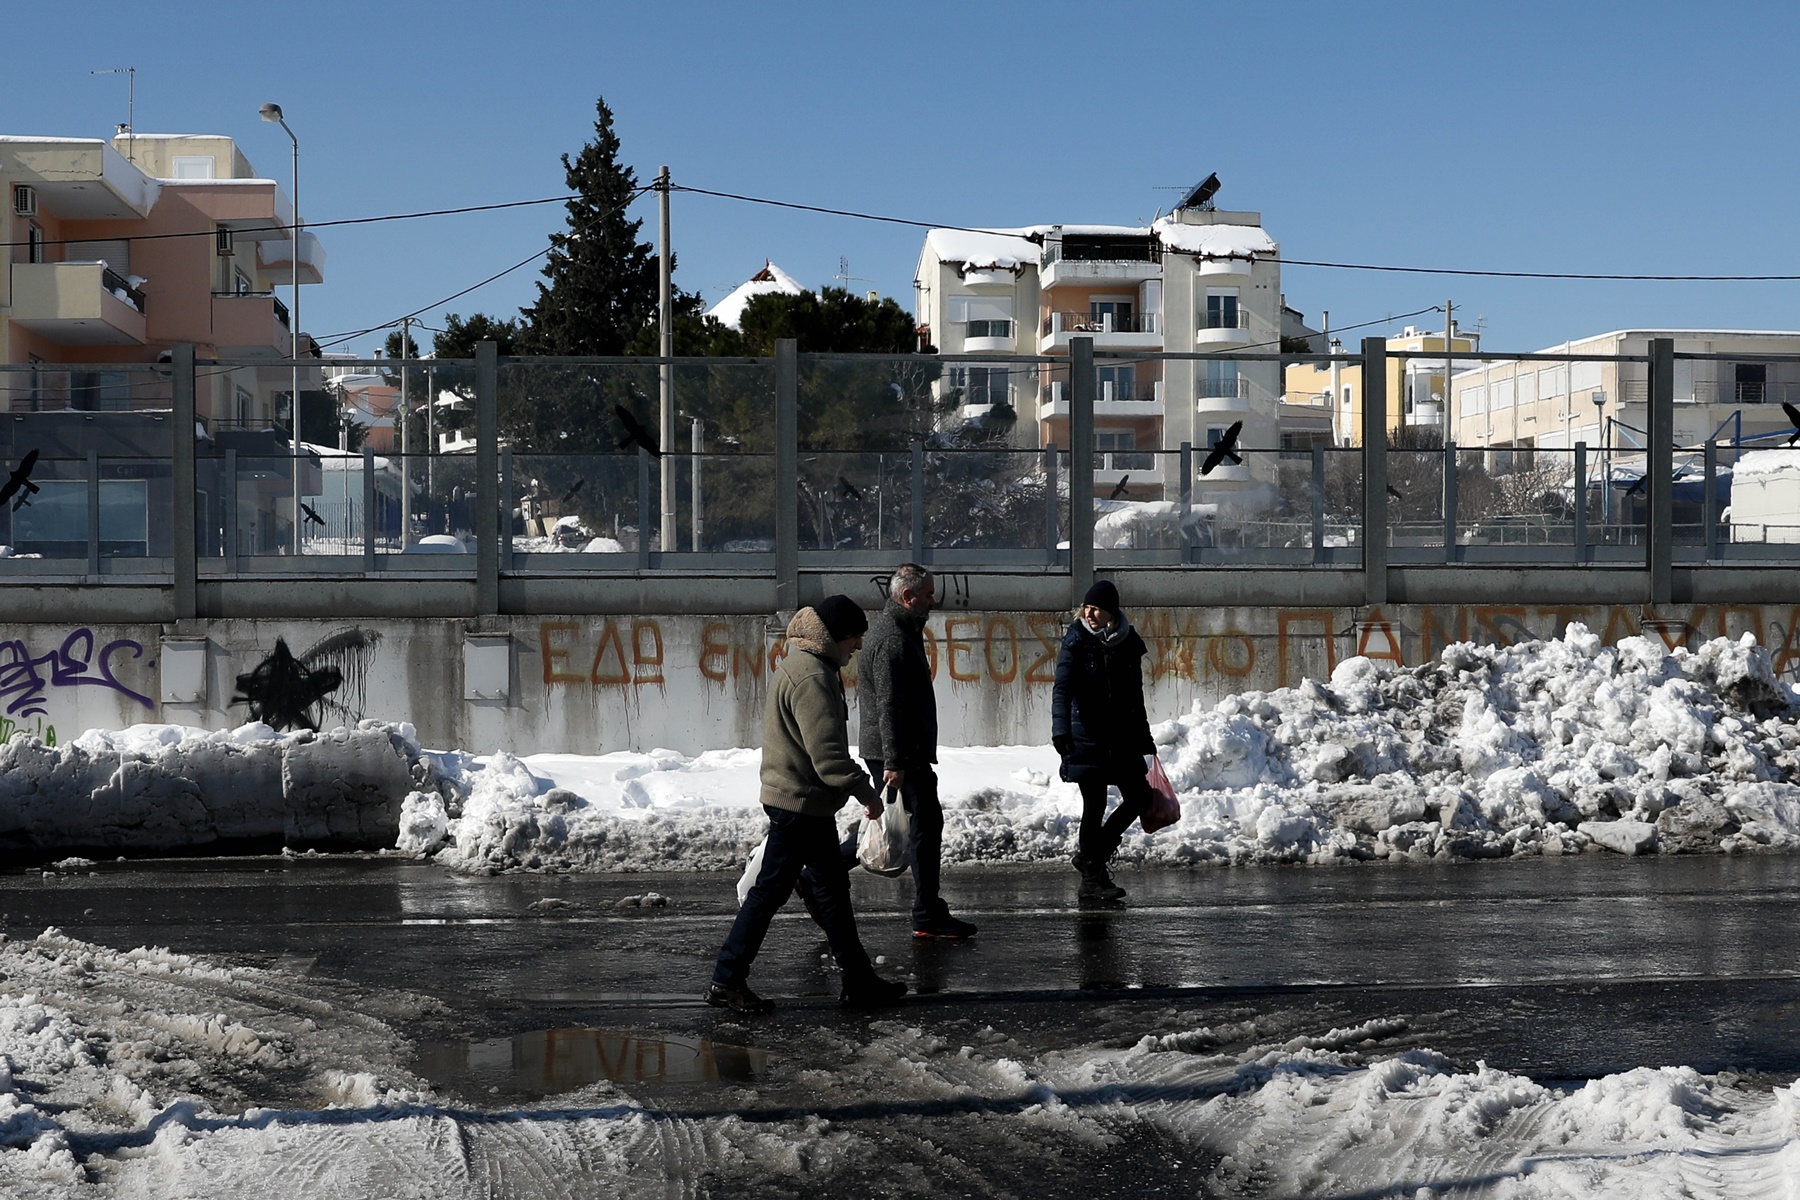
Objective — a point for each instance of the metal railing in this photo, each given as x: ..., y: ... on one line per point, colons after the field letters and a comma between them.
x: 774, y: 492
x: 1092, y: 323
x: 121, y: 287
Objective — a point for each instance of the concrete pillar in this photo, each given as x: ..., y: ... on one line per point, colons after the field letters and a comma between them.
x: 1375, y: 484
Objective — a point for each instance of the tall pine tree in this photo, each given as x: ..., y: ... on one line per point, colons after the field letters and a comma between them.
x: 601, y: 284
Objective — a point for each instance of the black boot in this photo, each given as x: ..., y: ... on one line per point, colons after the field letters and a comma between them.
x: 1096, y: 884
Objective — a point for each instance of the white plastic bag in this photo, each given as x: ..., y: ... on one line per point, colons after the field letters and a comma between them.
x: 752, y: 869
x: 885, y: 846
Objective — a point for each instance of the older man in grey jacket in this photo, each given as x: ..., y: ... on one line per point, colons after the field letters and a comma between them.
x: 807, y: 775
x: 898, y: 712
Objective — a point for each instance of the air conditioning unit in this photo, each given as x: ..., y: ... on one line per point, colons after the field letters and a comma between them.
x: 222, y: 242
x: 25, y: 200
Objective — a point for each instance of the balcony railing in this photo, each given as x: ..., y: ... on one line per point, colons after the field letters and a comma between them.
x: 1222, y: 389
x: 1125, y: 460
x: 987, y: 329
x: 1230, y: 318
x: 1717, y: 391
x: 121, y: 287
x: 1087, y: 322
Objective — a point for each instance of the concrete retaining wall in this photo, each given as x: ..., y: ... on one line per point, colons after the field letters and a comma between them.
x: 590, y: 684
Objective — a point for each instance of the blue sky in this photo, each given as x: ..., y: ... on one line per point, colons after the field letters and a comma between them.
x: 1648, y: 138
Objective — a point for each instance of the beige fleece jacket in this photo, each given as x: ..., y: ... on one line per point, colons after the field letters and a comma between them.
x: 806, y: 764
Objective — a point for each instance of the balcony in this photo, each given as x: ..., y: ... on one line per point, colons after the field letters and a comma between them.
x: 1222, y: 396
x: 1225, y: 268
x: 979, y: 336
x: 1139, y: 468
x: 275, y: 258
x: 1226, y: 328
x: 1137, y: 331
x: 1087, y: 261
x: 1143, y: 400
x: 251, y: 325
x: 77, y: 304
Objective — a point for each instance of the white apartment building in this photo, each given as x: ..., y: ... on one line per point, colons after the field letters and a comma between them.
x: 1197, y: 281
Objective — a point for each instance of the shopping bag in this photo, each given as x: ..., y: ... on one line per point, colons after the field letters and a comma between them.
x: 1164, y: 809
x: 751, y: 870
x: 885, y: 846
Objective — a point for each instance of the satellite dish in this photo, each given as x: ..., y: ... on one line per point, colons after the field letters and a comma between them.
x: 1201, y: 196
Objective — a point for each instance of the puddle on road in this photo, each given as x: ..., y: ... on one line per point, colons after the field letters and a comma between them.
x: 547, y: 1062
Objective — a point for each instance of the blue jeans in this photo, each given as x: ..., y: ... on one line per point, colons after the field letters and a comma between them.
x: 796, y: 843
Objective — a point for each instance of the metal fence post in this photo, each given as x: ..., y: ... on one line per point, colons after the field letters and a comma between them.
x: 1580, y: 505
x: 368, y: 509
x: 1318, y: 502
x: 1185, y: 464
x: 182, y: 485
x: 1375, y: 484
x: 920, y: 551
x: 1709, y: 505
x: 1449, y: 502
x: 644, y: 515
x: 506, y: 499
x: 231, y: 512
x: 1082, y: 382
x: 1659, y: 465
x: 1052, y: 527
x: 93, y: 513
x: 487, y: 479
x: 787, y: 475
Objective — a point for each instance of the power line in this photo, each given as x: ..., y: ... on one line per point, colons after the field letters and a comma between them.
x: 337, y: 339
x: 1296, y: 262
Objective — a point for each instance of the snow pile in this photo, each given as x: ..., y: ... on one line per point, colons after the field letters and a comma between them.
x: 170, y: 786
x: 1538, y: 748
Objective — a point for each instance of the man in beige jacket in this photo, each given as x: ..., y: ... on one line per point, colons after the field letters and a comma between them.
x: 807, y: 775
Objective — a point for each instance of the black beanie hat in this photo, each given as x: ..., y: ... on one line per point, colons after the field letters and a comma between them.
x: 842, y: 616
x: 1103, y: 595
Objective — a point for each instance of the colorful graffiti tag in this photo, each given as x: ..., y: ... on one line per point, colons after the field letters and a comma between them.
x: 24, y: 677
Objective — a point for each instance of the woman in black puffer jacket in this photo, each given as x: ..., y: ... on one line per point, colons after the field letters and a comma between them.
x: 1101, y: 730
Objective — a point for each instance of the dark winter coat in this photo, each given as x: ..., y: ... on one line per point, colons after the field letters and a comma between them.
x: 895, y: 705
x: 1098, y: 703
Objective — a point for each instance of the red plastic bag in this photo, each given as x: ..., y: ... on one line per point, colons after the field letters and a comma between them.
x: 1164, y: 809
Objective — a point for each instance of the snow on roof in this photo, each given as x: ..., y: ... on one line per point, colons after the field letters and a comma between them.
x: 1215, y: 241
x: 1001, y: 248
x: 771, y: 280
x: 1780, y: 460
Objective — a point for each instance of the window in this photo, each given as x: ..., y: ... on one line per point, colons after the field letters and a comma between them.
x: 55, y: 522
x: 245, y: 402
x: 989, y: 329
x: 1221, y: 382
x: 1116, y: 382
x: 100, y: 391
x: 981, y: 385
x: 1301, y: 443
x: 240, y: 283
x: 1110, y: 314
x: 37, y: 378
x: 1215, y: 434
x: 1221, y: 309
x: 1114, y: 450
x: 981, y: 316
x: 34, y: 243
x: 1752, y: 381
x: 194, y: 166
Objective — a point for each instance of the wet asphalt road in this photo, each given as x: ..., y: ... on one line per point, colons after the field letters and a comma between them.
x: 1558, y: 968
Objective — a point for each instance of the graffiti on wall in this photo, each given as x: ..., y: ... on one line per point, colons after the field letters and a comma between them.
x: 1205, y: 647
x: 281, y: 691
x: 25, y: 678
x: 37, y: 729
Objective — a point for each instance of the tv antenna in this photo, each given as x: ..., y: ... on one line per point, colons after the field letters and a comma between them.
x: 843, y: 273
x: 130, y: 125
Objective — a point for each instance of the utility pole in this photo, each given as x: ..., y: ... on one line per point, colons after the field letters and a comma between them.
x: 405, y: 465
x: 1449, y: 365
x: 665, y: 324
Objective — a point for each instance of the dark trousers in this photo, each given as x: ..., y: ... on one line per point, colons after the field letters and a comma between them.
x: 1099, y: 838
x: 796, y: 843
x: 919, y: 796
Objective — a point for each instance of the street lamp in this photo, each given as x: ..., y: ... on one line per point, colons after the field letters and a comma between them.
x: 1599, y: 398
x: 272, y: 112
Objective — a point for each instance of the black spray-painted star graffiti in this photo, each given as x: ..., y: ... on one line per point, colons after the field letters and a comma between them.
x: 282, y: 689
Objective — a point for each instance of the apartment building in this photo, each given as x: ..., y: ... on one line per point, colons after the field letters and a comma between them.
x: 1415, y: 386
x: 1730, y: 399
x: 1198, y: 281
x: 122, y: 250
